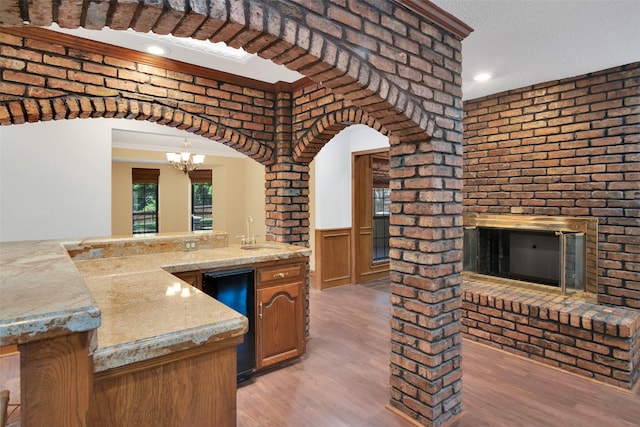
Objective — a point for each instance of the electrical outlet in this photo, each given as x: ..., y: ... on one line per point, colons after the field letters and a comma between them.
x: 190, y: 245
x: 95, y: 253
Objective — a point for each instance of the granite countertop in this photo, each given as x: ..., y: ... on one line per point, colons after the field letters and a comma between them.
x: 179, y: 261
x: 145, y: 310
x: 41, y: 293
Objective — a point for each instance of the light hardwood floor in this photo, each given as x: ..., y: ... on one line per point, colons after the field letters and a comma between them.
x: 343, y: 379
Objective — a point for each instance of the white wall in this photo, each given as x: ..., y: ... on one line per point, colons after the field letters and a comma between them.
x: 63, y: 190
x: 54, y: 182
x: 254, y: 200
x: 63, y: 187
x: 332, y: 170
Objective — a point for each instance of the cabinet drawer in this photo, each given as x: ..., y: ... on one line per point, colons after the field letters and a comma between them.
x: 279, y: 274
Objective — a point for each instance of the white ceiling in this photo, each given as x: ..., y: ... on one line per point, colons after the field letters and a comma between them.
x: 195, y: 52
x: 141, y: 135
x: 524, y: 42
x: 519, y: 42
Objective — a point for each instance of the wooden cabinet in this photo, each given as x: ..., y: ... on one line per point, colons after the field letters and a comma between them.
x: 280, y: 312
x: 193, y: 387
x: 280, y: 309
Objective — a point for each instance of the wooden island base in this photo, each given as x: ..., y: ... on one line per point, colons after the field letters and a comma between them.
x: 188, y: 388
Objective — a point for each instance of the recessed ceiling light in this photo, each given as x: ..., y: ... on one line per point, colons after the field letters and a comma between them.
x: 482, y: 77
x: 156, y: 50
x: 219, y: 49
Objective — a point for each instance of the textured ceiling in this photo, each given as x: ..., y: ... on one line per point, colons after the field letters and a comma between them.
x: 524, y: 42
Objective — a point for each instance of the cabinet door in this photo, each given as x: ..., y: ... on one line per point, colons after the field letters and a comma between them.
x: 194, y: 278
x: 280, y: 324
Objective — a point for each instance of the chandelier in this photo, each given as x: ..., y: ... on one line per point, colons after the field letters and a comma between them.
x: 184, y: 160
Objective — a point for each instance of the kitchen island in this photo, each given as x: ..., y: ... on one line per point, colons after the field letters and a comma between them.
x: 144, y: 331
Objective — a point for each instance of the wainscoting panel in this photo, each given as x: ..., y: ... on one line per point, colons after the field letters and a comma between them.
x: 333, y: 258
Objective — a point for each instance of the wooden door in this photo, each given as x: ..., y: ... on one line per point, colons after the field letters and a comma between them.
x: 365, y: 268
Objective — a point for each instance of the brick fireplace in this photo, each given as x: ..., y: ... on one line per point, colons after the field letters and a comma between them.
x: 560, y: 149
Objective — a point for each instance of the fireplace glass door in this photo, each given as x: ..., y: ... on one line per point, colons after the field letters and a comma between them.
x: 554, y: 259
x: 573, y: 261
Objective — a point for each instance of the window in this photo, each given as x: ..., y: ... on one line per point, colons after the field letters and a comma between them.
x: 201, y: 199
x: 381, y: 203
x: 381, y: 208
x: 145, y: 200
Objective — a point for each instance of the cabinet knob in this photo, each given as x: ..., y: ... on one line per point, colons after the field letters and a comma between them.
x: 281, y: 275
x: 260, y: 310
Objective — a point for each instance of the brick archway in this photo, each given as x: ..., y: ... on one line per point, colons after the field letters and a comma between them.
x: 396, y: 61
x: 71, y: 107
x: 279, y: 34
x: 328, y: 126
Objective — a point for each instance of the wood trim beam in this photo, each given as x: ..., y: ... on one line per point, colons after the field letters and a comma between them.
x: 433, y: 13
x: 67, y: 40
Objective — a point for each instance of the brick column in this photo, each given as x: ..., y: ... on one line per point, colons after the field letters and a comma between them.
x: 287, y: 183
x: 287, y: 203
x: 287, y: 189
x: 425, y: 230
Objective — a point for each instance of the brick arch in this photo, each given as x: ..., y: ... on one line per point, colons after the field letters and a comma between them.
x: 72, y: 106
x: 326, y: 62
x: 328, y: 126
x: 278, y: 33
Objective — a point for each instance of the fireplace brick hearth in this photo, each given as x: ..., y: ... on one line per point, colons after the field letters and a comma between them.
x: 595, y: 341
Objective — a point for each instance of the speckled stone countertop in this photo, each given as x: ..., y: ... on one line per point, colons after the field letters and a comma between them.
x: 148, y: 312
x: 145, y: 311
x: 41, y: 293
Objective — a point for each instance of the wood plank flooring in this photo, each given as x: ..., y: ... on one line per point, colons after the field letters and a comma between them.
x: 343, y: 379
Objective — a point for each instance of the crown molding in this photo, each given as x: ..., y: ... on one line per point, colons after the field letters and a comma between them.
x: 433, y: 13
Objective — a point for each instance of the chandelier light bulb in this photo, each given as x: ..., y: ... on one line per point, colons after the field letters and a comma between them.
x: 184, y: 160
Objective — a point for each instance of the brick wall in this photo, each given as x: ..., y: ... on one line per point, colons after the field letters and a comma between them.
x: 44, y: 81
x: 567, y: 147
x: 386, y: 60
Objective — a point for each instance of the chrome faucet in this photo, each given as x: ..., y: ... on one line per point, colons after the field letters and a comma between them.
x: 248, y: 239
